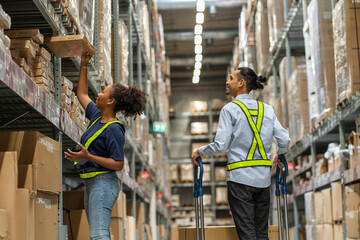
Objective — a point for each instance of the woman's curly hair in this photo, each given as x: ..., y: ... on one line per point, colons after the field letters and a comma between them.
x: 130, y: 101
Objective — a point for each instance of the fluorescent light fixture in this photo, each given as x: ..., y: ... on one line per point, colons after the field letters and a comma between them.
x: 198, y: 39
x: 197, y: 72
x: 200, y: 18
x: 198, y: 65
x: 200, y: 6
x: 198, y: 49
x: 198, y: 57
x: 198, y: 29
x: 195, y: 79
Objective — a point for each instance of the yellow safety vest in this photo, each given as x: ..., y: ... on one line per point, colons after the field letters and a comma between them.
x: 257, y: 142
x: 87, y: 144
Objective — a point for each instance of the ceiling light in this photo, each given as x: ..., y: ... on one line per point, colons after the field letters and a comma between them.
x: 213, y: 10
x: 200, y: 6
x: 197, y: 72
x: 198, y: 57
x: 198, y: 39
x: 200, y: 18
x: 197, y: 65
x: 195, y: 79
x: 198, y: 49
x: 198, y: 29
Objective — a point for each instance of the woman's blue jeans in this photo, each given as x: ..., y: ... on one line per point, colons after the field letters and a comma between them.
x: 101, y: 193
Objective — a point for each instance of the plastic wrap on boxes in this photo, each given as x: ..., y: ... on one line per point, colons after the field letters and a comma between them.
x: 161, y: 39
x: 249, y: 56
x: 124, y: 53
x: 105, y: 40
x: 186, y: 173
x: 221, y: 195
x: 236, y: 53
x: 207, y: 173
x: 174, y: 173
x: 86, y: 16
x: 198, y: 128
x: 175, y: 200
x: 144, y: 22
x: 322, y: 46
x: 5, y: 20
x: 309, y: 208
x: 73, y: 12
x: 207, y: 198
x: 261, y: 35
x: 299, y: 111
x: 220, y: 173
x: 198, y: 106
x: 346, y: 48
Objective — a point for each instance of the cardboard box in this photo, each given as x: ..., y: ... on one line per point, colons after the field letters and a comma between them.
x: 119, y: 209
x: 148, y: 232
x: 198, y: 128
x: 319, y: 210
x: 130, y: 228
x: 336, y: 201
x: 352, y: 219
x: 186, y: 173
x: 327, y: 206
x: 338, y: 232
x: 117, y: 228
x: 352, y: 197
x: 223, y: 232
x: 26, y: 33
x: 11, y: 141
x: 292, y: 234
x: 25, y: 215
x: 221, y: 196
x: 207, y: 199
x: 73, y: 200
x: 46, y: 216
x: 206, y: 173
x: 44, y: 154
x: 175, y: 200
x: 4, y: 224
x: 319, y: 231
x: 78, y: 226
x: 328, y: 233
x: 8, y: 187
x: 69, y: 46
x: 220, y: 173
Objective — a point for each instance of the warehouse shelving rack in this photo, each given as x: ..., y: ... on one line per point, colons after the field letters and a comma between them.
x: 209, y: 115
x: 26, y: 107
x: 335, y: 128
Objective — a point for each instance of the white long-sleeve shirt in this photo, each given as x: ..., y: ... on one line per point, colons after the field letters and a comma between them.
x: 235, y: 136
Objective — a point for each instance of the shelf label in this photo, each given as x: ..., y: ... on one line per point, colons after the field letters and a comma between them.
x: 160, y: 195
x: 145, y: 174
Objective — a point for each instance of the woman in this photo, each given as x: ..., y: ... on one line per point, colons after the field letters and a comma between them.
x: 102, y: 145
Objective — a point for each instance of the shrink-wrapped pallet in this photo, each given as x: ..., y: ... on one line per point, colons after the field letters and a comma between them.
x: 186, y: 173
x: 346, y: 29
x: 175, y: 200
x: 144, y: 22
x: 105, y: 41
x: 86, y: 16
x: 5, y: 20
x: 207, y: 173
x: 174, y: 176
x: 261, y: 35
x: 221, y: 196
x: 207, y: 199
x: 199, y: 128
x: 299, y: 110
x: 220, y: 174
x: 322, y: 49
x: 198, y: 106
x: 124, y: 53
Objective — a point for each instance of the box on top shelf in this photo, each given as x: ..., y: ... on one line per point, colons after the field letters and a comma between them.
x: 262, y: 35
x: 123, y: 53
x: 86, y: 16
x: 346, y: 28
x: 144, y: 23
x: 5, y: 20
x: 105, y: 41
x: 34, y: 34
x: 70, y: 46
x: 322, y: 50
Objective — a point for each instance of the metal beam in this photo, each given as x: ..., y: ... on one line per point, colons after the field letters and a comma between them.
x: 189, y: 36
x: 182, y: 4
x: 218, y: 60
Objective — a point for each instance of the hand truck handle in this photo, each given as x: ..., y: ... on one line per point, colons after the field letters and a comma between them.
x: 198, y: 189
x: 281, y: 180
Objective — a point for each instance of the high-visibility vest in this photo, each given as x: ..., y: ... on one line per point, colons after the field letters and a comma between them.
x: 87, y: 144
x: 257, y: 142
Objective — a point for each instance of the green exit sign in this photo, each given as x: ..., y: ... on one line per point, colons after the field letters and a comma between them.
x: 159, y: 127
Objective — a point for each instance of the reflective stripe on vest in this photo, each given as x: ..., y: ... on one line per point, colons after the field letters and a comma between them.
x: 257, y: 142
x: 87, y: 144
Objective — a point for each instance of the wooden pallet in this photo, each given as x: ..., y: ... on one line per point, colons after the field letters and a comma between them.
x: 222, y: 203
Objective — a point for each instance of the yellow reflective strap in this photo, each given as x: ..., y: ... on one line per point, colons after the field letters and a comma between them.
x: 253, y: 112
x: 91, y: 174
x: 93, y: 123
x: 248, y: 163
x: 97, y: 133
x: 256, y: 129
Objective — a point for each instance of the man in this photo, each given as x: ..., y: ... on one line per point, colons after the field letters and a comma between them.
x: 245, y: 131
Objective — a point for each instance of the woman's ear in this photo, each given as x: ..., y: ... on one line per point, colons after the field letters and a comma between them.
x: 111, y: 101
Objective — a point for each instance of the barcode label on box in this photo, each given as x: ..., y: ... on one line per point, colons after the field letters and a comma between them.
x: 46, y: 202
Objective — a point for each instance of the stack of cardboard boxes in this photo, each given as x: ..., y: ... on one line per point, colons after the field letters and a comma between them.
x: 5, y: 23
x: 30, y: 184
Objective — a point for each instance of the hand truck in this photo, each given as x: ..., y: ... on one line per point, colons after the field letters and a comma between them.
x: 198, y: 192
x: 281, y: 180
